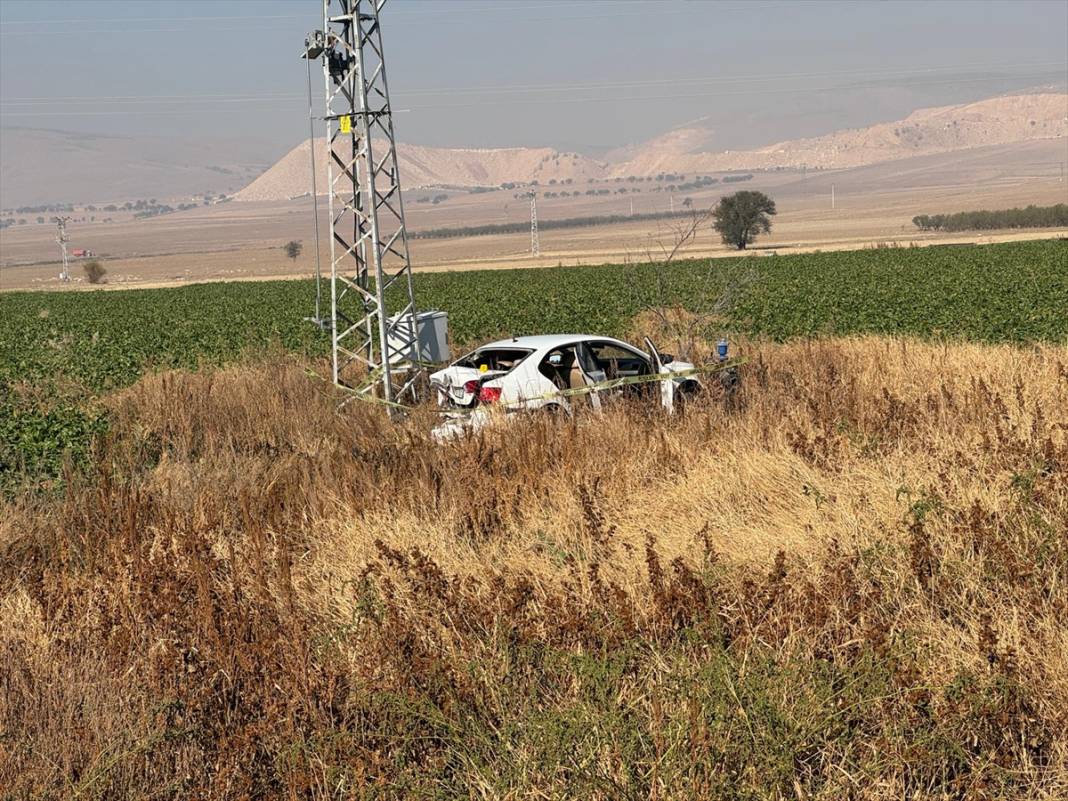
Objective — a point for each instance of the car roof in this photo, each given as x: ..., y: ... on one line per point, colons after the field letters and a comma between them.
x: 543, y: 341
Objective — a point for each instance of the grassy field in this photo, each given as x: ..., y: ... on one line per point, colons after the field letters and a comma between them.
x: 848, y: 584
x: 62, y: 350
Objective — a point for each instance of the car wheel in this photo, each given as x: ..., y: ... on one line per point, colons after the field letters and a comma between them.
x: 551, y: 410
x: 685, y: 394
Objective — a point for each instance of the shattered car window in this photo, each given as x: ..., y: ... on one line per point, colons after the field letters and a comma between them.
x: 618, y: 362
x: 494, y: 359
x: 560, y: 367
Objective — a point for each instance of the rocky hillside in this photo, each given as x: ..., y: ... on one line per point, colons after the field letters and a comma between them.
x: 45, y: 166
x: 431, y: 166
x: 994, y: 121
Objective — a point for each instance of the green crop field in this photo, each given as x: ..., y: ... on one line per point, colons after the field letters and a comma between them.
x: 68, y: 347
x: 997, y: 293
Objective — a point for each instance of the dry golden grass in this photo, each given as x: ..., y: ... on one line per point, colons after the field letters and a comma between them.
x: 850, y: 584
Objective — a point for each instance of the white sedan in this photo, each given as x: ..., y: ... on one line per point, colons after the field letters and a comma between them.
x: 552, y: 373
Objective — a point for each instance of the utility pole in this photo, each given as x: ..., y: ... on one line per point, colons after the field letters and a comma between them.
x: 373, y: 352
x: 832, y: 196
x: 62, y: 238
x: 534, y: 249
x: 318, y: 319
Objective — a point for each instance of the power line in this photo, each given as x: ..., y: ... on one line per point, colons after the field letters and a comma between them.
x: 746, y: 92
x: 529, y: 101
x: 421, y: 12
x: 162, y: 100
x: 562, y: 87
x: 741, y: 78
x: 418, y: 19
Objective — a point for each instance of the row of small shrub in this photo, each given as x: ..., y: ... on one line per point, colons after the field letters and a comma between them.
x: 519, y: 227
x: 1030, y: 217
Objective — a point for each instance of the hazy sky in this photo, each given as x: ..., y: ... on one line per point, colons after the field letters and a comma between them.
x: 578, y: 74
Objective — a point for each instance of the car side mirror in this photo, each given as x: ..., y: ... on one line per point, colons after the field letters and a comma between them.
x: 667, y: 358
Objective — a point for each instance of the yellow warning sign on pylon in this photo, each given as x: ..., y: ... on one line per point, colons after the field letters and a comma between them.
x: 345, y: 122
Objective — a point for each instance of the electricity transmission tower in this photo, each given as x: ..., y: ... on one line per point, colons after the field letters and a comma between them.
x: 317, y: 319
x: 534, y: 250
x: 372, y: 352
x: 62, y: 238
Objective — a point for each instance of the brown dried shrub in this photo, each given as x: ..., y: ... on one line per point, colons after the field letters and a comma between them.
x: 852, y: 586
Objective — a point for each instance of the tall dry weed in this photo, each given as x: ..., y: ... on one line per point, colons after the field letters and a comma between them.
x: 851, y: 584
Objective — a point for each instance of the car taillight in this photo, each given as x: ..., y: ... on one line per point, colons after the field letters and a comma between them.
x: 471, y: 387
x: 489, y: 394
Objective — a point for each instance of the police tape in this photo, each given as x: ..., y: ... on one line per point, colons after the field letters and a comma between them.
x: 361, y: 393
x: 631, y: 380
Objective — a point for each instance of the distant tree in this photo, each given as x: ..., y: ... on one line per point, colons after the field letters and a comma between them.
x: 984, y: 220
x: 687, y: 202
x: 293, y: 249
x: 740, y: 217
x: 94, y: 271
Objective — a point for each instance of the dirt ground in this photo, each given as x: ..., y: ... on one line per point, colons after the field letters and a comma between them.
x: 872, y: 205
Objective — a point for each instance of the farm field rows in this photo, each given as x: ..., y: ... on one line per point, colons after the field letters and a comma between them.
x: 244, y: 240
x: 1015, y: 292
x: 62, y: 350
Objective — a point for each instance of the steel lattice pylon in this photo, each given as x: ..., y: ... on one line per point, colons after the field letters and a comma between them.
x: 368, y: 239
x: 534, y: 248
x: 62, y: 238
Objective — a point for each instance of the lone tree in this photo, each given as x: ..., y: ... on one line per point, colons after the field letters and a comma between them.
x: 293, y: 249
x: 743, y: 215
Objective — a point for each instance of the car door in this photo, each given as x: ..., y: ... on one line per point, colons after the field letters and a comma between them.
x: 616, y: 360
x: 667, y: 387
x: 592, y: 372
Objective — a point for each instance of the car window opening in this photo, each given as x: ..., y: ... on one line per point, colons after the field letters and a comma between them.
x: 495, y: 360
x: 618, y: 362
x: 561, y: 366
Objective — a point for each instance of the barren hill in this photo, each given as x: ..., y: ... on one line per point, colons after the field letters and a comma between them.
x: 995, y: 121
x: 40, y: 166
x: 431, y: 166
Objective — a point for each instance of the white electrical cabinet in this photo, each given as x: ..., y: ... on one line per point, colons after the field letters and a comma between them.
x: 433, y: 338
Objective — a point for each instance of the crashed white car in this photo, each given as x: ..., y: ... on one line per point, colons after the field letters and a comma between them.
x: 552, y: 374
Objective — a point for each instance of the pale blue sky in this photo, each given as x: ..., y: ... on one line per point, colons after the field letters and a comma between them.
x: 575, y: 74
